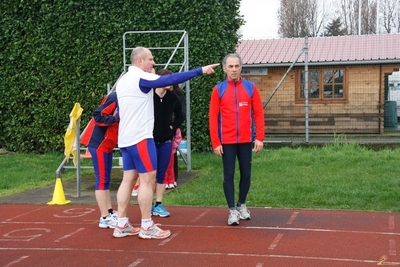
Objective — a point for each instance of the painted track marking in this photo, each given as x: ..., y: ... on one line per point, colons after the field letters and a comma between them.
x: 198, y: 217
x: 392, y: 247
x: 276, y: 241
x: 391, y: 222
x: 293, y: 217
x: 165, y: 241
x: 16, y: 261
x: 71, y: 234
x: 277, y: 256
x: 136, y: 262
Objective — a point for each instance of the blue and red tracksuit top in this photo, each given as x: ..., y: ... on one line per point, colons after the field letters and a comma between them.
x: 102, y: 130
x: 235, y: 108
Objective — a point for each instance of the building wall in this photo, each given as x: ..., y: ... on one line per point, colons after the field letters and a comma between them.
x: 361, y: 111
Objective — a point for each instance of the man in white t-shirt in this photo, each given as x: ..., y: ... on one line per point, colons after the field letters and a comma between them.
x: 135, y: 138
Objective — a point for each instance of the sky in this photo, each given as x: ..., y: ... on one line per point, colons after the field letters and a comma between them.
x: 261, y: 19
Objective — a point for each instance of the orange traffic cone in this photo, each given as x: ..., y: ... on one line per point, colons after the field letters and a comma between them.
x: 58, y: 195
x: 87, y: 155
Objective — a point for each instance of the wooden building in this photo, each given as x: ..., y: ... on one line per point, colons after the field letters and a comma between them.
x: 347, y: 82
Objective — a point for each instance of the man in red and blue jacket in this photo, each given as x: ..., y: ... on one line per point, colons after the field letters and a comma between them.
x: 236, y: 120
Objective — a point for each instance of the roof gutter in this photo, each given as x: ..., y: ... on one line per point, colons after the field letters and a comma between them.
x: 324, y: 63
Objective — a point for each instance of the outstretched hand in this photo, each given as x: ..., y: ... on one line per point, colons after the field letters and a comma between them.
x: 209, y: 69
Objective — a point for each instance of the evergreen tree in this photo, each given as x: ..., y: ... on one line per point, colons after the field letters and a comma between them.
x: 335, y: 28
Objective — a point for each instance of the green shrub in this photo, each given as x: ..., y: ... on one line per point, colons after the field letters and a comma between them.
x: 56, y: 53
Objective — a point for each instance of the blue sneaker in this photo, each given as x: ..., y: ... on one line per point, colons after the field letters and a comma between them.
x: 160, y: 211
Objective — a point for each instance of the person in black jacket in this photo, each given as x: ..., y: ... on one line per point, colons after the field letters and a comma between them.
x: 167, y: 118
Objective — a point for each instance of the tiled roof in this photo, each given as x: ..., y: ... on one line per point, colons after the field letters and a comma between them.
x: 359, y: 49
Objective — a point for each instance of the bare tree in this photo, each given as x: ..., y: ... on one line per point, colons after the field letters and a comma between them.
x: 299, y: 18
x: 348, y: 15
x: 388, y: 15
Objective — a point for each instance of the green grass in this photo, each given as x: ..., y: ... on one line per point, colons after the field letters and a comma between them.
x: 333, y: 177
x: 338, y: 176
x: 24, y: 171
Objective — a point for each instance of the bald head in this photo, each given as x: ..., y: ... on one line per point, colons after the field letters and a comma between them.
x: 142, y: 58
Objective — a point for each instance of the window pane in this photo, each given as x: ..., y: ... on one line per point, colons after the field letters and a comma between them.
x: 302, y: 79
x: 338, y: 91
x: 328, y: 91
x: 314, y: 76
x: 328, y: 76
x: 314, y: 91
x: 313, y: 84
x: 338, y: 76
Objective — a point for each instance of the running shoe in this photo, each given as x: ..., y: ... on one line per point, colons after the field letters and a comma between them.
x: 244, y: 212
x: 234, y: 216
x: 135, y: 192
x: 114, y: 214
x: 154, y: 232
x: 109, y: 222
x: 127, y: 230
x: 160, y: 211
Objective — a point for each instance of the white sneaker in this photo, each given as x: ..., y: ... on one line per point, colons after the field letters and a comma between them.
x: 154, y: 232
x: 108, y: 222
x: 244, y: 212
x: 234, y: 216
x: 115, y: 215
x: 135, y: 193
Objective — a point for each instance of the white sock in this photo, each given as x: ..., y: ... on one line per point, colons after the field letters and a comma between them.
x: 122, y: 221
x: 147, y: 223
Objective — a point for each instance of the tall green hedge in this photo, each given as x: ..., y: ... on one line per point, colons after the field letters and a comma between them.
x: 54, y: 53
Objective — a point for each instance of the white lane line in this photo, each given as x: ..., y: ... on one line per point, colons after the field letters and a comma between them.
x: 69, y: 235
x: 278, y: 256
x: 230, y: 227
x: 136, y: 262
x: 391, y: 222
x: 198, y: 217
x: 392, y: 247
x: 275, y: 228
x: 16, y: 261
x: 293, y: 217
x: 23, y: 214
x: 168, y: 239
x: 260, y: 264
x: 276, y: 241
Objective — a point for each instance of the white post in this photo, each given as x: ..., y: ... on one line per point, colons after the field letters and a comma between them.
x: 359, y: 17
x: 323, y: 18
x: 397, y: 17
x: 378, y: 4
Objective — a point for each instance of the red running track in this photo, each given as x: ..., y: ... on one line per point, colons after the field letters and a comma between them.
x: 67, y: 235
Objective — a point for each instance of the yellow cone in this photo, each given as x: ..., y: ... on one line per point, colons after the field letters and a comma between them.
x: 58, y: 195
